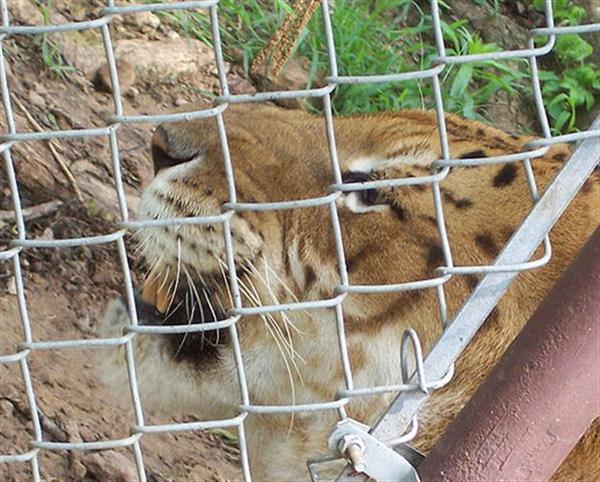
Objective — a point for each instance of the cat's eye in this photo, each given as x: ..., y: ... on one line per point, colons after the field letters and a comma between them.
x: 368, y: 197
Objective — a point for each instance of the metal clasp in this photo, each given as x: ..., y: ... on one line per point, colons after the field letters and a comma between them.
x: 368, y: 455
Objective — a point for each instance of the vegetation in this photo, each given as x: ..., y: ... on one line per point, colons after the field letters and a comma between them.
x: 384, y: 37
x: 575, y: 83
x: 51, y: 52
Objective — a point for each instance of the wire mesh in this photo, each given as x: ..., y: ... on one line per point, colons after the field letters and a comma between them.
x: 423, y: 382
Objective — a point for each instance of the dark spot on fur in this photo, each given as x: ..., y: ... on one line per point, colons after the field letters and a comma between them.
x: 172, y: 201
x: 505, y: 176
x: 463, y: 203
x: 431, y: 220
x: 515, y: 137
x: 208, y: 191
x: 501, y: 143
x: 474, y: 154
x: 193, y: 246
x: 435, y: 256
x: 310, y: 277
x: 399, y: 211
x: 352, y: 261
x: 471, y: 280
x: 493, y: 317
x: 480, y: 132
x: 560, y: 157
x: 415, y: 295
x: 460, y: 203
x: 487, y: 244
x: 587, y: 186
x: 416, y: 187
x: 185, y: 181
x: 210, y: 228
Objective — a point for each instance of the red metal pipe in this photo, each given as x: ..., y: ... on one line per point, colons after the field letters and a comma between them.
x: 540, y: 398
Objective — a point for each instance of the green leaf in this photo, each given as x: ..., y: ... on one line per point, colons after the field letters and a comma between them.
x: 573, y: 47
x: 461, y: 81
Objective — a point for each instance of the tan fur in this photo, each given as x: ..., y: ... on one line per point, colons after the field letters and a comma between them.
x: 282, y: 155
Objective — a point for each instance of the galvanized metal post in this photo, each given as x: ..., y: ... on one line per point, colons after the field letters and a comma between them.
x: 540, y: 398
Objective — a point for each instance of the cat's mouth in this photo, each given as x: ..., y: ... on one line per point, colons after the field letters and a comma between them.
x: 189, y: 302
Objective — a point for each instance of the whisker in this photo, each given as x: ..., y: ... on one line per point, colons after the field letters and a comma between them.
x: 166, y: 278
x: 172, y: 312
x: 286, y: 320
x: 287, y: 288
x: 271, y: 325
x: 286, y: 343
x: 212, y: 311
x: 222, y: 267
x: 141, y: 245
x: 191, y: 315
x: 177, y: 275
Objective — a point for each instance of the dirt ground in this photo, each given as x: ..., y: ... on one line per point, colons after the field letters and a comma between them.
x: 67, y: 290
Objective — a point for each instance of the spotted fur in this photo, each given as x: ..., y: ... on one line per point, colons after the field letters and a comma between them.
x: 389, y: 236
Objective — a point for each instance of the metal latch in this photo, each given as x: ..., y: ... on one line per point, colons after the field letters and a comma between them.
x: 369, y: 456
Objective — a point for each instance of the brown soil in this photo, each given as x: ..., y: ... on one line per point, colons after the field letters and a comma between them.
x: 67, y: 290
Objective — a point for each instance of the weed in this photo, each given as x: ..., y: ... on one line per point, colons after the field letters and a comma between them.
x: 382, y: 37
x: 51, y: 55
x: 575, y: 84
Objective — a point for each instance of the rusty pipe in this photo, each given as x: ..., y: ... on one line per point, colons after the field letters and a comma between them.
x: 540, y: 398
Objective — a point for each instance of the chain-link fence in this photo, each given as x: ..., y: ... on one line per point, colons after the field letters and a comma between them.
x: 399, y: 425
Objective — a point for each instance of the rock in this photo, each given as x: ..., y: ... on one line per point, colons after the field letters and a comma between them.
x: 37, y: 100
x: 87, y: 435
x: 11, y: 287
x: 54, y: 432
x: 508, y: 113
x: 7, y: 409
x: 47, y: 378
x: 151, y: 60
x: 83, y: 323
x: 294, y: 76
x: 143, y: 20
x: 169, y: 58
x: 72, y: 430
x: 25, y: 12
x: 132, y: 92
x: 104, y: 276
x: 111, y: 465
x: 238, y: 83
x: 47, y: 234
x: 77, y: 11
x: 78, y: 470
x: 125, y: 73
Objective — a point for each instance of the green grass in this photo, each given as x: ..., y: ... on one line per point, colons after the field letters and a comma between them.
x: 384, y: 37
x: 51, y: 52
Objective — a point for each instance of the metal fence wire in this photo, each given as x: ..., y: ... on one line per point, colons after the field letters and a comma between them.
x: 399, y: 424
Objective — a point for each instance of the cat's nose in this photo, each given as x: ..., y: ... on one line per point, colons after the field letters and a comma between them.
x: 165, y: 152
